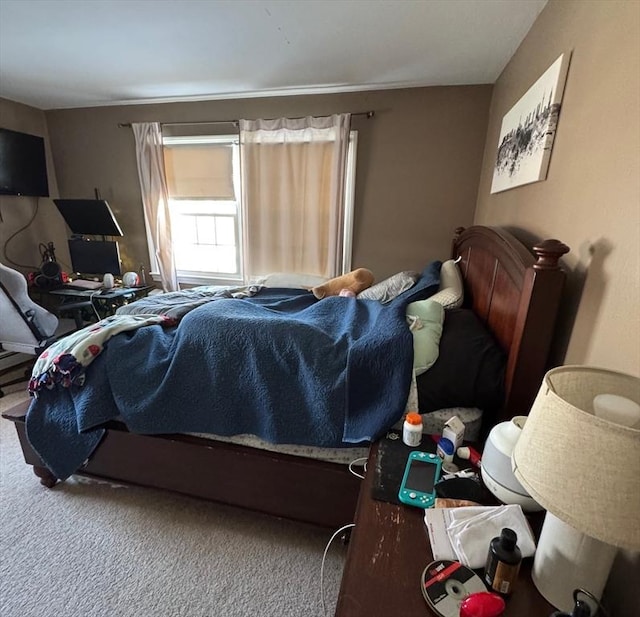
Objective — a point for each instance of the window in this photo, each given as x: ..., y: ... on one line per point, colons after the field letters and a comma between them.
x: 203, y: 181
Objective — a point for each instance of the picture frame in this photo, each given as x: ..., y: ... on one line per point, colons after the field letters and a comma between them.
x: 528, y: 131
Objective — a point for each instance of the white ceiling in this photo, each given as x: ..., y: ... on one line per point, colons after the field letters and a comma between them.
x: 79, y: 53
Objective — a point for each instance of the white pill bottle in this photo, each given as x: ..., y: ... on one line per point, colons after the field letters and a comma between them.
x: 412, y: 429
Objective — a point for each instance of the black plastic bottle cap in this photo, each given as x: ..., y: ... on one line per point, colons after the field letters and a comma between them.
x: 508, y: 538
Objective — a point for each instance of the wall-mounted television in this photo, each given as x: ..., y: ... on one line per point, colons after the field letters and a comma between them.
x: 88, y: 217
x: 23, y: 166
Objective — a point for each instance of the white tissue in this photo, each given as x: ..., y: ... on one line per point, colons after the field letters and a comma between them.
x: 469, y: 532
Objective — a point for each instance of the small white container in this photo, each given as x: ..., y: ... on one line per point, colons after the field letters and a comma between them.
x: 445, y: 450
x: 107, y: 281
x: 454, y: 431
x: 412, y: 429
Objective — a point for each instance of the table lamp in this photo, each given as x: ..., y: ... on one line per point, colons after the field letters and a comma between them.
x: 579, y: 457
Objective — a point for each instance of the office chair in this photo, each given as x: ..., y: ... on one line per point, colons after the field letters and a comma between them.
x: 25, y: 327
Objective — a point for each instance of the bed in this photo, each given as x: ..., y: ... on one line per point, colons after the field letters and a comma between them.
x: 514, y: 292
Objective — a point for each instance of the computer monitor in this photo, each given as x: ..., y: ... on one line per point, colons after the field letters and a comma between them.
x: 95, y: 257
x: 89, y: 217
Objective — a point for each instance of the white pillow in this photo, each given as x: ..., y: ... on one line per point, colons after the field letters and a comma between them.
x: 291, y: 280
x: 450, y: 294
x: 425, y: 318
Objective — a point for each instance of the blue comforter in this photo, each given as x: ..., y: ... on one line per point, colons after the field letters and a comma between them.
x: 280, y: 365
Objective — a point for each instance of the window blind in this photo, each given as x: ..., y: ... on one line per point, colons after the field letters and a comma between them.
x: 197, y: 171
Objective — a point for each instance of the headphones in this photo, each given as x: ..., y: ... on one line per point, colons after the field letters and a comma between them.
x: 50, y: 274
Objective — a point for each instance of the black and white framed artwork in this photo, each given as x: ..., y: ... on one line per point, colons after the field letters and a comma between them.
x: 528, y: 130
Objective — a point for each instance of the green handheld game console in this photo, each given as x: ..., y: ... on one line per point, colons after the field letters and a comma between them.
x: 419, y: 480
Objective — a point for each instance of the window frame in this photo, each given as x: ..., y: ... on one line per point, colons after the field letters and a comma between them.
x: 202, y: 278
x: 198, y: 277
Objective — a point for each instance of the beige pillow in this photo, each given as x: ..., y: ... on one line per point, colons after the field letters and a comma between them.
x: 355, y: 281
x: 450, y: 294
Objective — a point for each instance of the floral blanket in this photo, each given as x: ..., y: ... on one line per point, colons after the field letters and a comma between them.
x: 66, y: 361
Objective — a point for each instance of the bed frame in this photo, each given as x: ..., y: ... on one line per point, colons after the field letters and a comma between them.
x: 515, y: 293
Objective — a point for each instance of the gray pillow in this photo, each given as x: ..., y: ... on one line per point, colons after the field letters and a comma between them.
x: 387, y: 290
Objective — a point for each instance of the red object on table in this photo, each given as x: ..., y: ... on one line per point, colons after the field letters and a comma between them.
x: 482, y: 604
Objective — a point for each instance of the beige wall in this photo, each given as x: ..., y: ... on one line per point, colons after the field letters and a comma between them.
x: 419, y: 162
x: 16, y: 212
x: 591, y: 198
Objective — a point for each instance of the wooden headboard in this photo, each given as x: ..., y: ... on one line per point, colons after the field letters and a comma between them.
x: 516, y: 293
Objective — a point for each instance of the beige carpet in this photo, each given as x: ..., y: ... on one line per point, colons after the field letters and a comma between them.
x: 86, y: 549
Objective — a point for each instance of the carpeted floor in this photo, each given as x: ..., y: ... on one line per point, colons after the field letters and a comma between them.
x: 85, y: 549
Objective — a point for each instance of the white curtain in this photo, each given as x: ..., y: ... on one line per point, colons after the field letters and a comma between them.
x: 155, y: 198
x: 293, y: 176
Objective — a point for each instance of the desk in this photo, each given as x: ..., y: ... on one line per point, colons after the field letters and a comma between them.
x: 389, y: 549
x: 104, y: 301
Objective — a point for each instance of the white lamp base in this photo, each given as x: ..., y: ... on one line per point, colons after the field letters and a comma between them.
x: 566, y: 559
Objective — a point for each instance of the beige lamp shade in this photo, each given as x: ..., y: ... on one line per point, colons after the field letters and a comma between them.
x: 582, y: 468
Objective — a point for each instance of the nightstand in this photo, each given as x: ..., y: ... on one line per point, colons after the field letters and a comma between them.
x: 389, y: 549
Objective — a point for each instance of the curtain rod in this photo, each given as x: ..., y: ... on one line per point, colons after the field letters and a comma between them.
x: 367, y: 114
